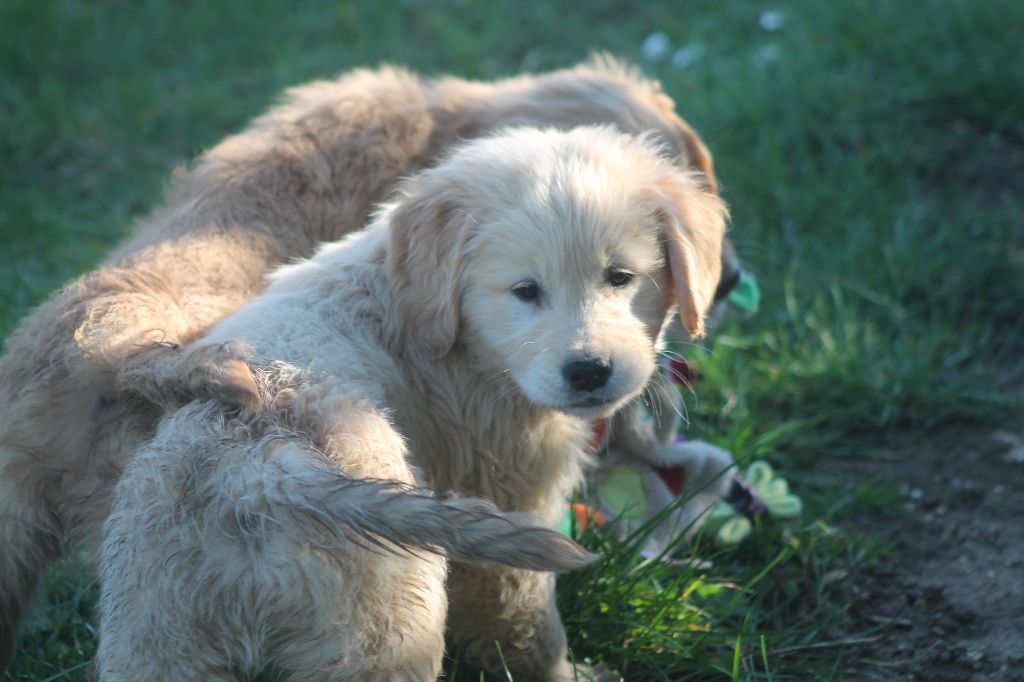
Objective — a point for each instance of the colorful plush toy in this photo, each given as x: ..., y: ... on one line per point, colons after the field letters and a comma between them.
x: 645, y: 467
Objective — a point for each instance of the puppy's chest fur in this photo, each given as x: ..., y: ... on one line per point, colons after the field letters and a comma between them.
x: 472, y: 439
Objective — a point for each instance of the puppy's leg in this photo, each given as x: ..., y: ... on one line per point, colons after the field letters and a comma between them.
x: 30, y: 538
x: 64, y: 431
x: 514, y: 608
x: 64, y: 437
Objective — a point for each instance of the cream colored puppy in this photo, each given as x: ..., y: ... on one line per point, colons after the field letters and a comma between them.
x: 463, y: 342
x: 307, y: 171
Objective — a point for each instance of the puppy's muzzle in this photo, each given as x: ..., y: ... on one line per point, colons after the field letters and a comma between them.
x: 587, y: 374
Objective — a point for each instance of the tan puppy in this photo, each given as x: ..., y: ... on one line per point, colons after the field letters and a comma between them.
x: 512, y: 295
x: 307, y: 171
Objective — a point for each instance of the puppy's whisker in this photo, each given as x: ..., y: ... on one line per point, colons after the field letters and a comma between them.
x: 656, y: 283
x: 653, y: 405
x: 679, y: 408
x: 505, y: 385
x: 708, y: 350
x: 506, y: 391
x: 679, y: 377
x: 468, y: 215
x: 499, y: 374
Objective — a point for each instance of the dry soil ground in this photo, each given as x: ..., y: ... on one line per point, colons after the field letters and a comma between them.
x: 951, y: 593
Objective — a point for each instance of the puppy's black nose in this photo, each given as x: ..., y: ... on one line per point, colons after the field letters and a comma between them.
x: 587, y: 374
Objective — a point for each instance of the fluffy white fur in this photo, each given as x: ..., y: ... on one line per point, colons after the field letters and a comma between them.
x: 299, y: 532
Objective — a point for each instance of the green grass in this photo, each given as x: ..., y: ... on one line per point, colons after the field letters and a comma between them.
x: 873, y: 156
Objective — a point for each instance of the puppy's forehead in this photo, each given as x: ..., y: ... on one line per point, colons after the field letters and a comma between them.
x: 580, y: 217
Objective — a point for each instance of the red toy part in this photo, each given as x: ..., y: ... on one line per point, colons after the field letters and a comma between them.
x: 674, y: 477
x: 681, y: 371
x: 598, y: 430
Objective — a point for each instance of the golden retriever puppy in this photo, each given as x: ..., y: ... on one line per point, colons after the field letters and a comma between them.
x: 464, y: 342
x: 307, y: 171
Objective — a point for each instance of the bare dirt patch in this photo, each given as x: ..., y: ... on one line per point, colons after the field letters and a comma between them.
x: 949, y: 599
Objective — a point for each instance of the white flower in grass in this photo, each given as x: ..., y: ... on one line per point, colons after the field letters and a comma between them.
x: 656, y: 47
x: 772, y: 20
x: 688, y: 55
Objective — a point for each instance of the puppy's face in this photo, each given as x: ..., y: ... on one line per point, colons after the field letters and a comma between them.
x: 553, y: 259
x: 567, y: 295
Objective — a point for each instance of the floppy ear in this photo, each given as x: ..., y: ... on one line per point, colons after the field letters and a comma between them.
x: 693, y: 224
x: 426, y: 252
x: 697, y: 155
x: 693, y: 153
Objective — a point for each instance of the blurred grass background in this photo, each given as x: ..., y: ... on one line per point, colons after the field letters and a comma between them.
x: 873, y: 156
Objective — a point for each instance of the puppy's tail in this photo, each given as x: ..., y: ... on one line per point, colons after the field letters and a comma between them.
x: 329, y: 508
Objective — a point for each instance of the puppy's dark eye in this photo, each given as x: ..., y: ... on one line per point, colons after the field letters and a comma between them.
x: 620, y: 278
x: 527, y: 291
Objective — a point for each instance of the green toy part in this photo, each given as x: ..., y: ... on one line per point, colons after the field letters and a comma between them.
x: 727, y: 526
x: 566, y: 524
x: 622, y: 492
x: 773, y: 491
x: 746, y: 295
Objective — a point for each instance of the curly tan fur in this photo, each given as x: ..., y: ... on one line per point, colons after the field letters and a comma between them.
x: 404, y: 356
x: 309, y: 170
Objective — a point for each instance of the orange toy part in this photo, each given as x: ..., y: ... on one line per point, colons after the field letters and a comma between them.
x: 586, y: 516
